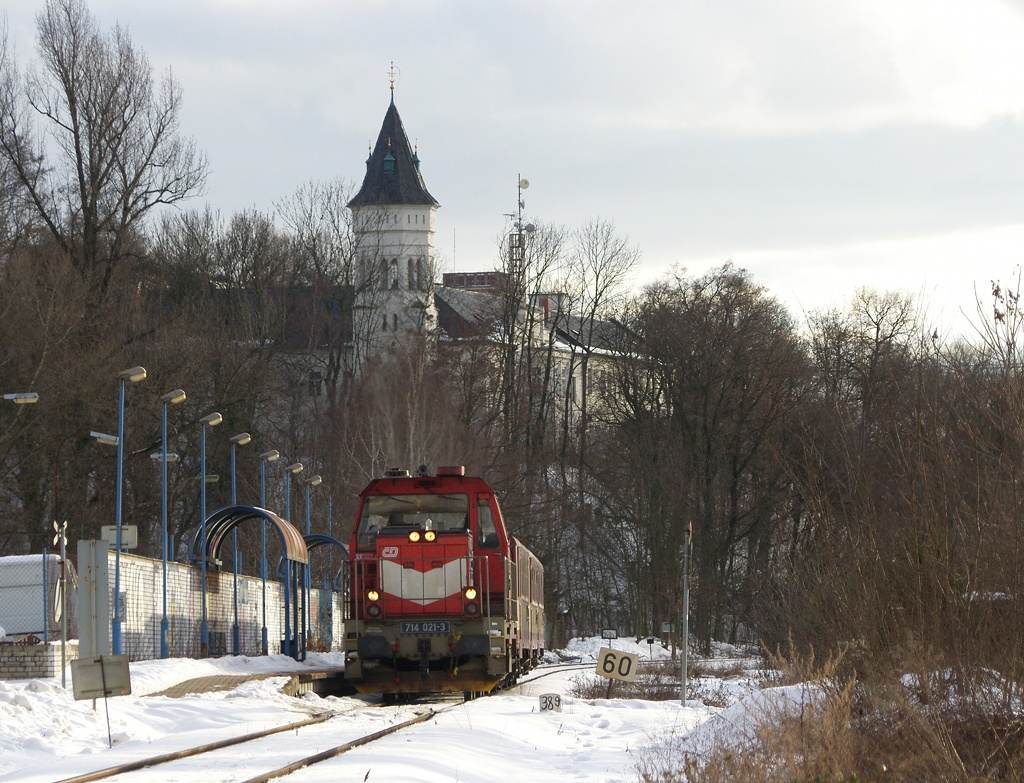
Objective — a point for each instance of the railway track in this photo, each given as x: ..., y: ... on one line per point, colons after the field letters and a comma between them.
x: 264, y: 750
x: 277, y: 752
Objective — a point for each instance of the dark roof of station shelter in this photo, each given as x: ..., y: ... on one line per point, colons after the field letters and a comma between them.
x: 393, y: 169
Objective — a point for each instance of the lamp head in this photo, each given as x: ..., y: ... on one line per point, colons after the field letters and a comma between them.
x: 22, y: 398
x: 241, y: 438
x: 270, y: 456
x: 211, y: 420
x: 102, y: 437
x: 173, y: 397
x: 133, y: 374
x: 314, y: 480
x: 295, y: 467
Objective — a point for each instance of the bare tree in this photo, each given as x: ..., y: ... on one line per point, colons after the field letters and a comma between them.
x: 93, y: 141
x: 714, y: 374
x: 532, y: 264
x: 599, y: 270
x: 328, y: 251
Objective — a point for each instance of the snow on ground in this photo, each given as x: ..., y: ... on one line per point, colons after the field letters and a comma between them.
x: 46, y: 735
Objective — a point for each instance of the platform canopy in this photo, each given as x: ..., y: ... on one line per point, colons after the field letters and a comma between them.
x: 222, y: 521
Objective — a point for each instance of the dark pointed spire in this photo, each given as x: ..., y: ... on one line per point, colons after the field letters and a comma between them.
x: 392, y: 172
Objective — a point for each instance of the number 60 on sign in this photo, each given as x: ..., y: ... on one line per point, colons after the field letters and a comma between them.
x: 616, y: 664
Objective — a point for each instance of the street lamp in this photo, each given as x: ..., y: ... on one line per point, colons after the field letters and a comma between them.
x: 22, y: 398
x: 240, y: 439
x: 312, y: 481
x: 265, y: 457
x: 133, y: 374
x: 210, y: 420
x: 171, y: 398
x: 291, y: 470
x: 330, y: 534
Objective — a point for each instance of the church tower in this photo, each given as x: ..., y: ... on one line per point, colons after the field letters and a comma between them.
x: 393, y: 216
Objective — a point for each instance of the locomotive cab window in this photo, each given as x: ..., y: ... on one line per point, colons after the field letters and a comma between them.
x: 486, y: 528
x: 389, y: 515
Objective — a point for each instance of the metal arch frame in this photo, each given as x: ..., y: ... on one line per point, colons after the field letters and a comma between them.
x: 296, y: 564
x: 317, y: 541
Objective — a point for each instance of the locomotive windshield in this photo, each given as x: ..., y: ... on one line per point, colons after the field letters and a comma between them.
x: 401, y: 513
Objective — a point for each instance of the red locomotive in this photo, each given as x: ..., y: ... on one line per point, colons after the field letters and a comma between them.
x: 443, y: 598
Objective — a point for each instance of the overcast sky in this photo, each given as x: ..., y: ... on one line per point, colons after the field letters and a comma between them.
x: 821, y: 145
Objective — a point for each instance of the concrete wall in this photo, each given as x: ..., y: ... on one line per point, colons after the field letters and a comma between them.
x: 33, y: 661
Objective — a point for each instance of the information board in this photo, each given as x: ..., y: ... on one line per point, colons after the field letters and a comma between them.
x: 94, y: 678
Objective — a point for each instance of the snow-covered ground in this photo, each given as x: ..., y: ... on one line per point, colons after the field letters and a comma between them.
x: 45, y: 735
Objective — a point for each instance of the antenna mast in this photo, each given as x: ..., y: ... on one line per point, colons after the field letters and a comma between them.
x: 517, y: 238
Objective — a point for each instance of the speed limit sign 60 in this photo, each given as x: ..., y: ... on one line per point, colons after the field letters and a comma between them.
x: 616, y: 664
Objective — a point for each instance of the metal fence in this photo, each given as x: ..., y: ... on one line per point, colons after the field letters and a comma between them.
x: 232, y: 602
x: 236, y: 607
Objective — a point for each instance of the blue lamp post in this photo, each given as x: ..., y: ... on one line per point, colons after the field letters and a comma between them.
x: 265, y: 457
x: 330, y: 534
x: 311, y: 482
x: 329, y: 582
x: 171, y: 398
x: 291, y: 470
x: 240, y: 439
x: 133, y: 374
x: 210, y: 420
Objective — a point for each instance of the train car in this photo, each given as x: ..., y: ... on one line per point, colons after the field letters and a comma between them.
x: 443, y: 598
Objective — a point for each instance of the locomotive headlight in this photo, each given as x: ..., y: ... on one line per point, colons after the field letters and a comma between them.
x: 430, y: 535
x: 372, y: 595
x: 414, y: 536
x: 470, y: 593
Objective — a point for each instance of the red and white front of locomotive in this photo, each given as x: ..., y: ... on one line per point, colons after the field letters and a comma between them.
x: 418, y: 577
x: 414, y: 559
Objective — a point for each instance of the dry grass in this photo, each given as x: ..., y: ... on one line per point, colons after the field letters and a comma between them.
x: 659, y: 681
x: 962, y: 728
x: 652, y: 683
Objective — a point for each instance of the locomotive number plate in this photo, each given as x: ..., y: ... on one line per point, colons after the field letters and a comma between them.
x: 437, y: 626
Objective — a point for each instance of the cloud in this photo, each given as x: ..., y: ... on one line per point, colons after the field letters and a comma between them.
x: 949, y: 273
x: 703, y: 129
x: 788, y: 66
